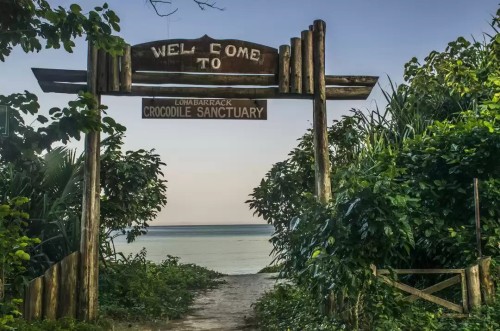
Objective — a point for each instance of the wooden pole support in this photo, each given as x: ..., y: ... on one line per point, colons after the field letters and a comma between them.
x: 321, y: 155
x: 126, y: 70
x: 487, y: 284
x: 51, y: 292
x: 307, y: 62
x: 284, y: 69
x: 473, y: 287
x: 89, y: 243
x: 296, y: 66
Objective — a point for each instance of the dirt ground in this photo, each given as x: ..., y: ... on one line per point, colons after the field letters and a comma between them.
x: 228, y: 307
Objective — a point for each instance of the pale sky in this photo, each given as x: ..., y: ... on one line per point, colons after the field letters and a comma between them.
x: 213, y: 165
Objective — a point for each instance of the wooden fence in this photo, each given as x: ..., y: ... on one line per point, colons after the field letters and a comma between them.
x: 54, y: 295
x: 476, y: 286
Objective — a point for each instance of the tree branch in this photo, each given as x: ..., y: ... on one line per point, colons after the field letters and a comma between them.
x: 202, y: 4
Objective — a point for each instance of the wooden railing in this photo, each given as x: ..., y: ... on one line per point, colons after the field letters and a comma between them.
x: 475, y: 285
x: 54, y: 295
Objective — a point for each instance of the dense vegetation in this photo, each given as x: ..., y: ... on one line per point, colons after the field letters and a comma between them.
x: 41, y: 185
x: 402, y: 184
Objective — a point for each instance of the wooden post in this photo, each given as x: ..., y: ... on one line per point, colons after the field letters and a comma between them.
x: 68, y: 294
x: 296, y: 66
x: 113, y: 73
x: 34, y: 299
x: 465, y: 293
x: 307, y: 62
x: 478, y: 218
x: 473, y: 287
x: 322, y: 161
x: 126, y: 70
x: 89, y: 243
x: 487, y: 285
x: 51, y: 292
x: 102, y: 71
x: 284, y: 69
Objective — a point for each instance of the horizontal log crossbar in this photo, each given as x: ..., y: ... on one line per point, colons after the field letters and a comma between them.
x: 332, y: 93
x: 419, y: 271
x: 74, y: 81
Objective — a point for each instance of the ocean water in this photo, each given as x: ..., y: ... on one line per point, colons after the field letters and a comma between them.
x: 230, y: 249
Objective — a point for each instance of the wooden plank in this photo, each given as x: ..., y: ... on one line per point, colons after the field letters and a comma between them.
x: 425, y: 296
x: 465, y: 297
x: 205, y: 55
x: 338, y: 80
x: 486, y: 280
x: 60, y: 75
x: 307, y: 62
x: 89, y: 240
x: 206, y: 79
x: 34, y: 300
x: 436, y: 287
x: 321, y: 146
x: 126, y: 70
x: 296, y: 66
x: 51, y: 292
x: 113, y: 73
x: 102, y: 71
x: 473, y: 287
x: 332, y: 93
x: 68, y: 290
x: 284, y: 69
x: 419, y: 271
x: 80, y: 76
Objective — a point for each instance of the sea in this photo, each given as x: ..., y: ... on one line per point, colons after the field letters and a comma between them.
x: 229, y: 249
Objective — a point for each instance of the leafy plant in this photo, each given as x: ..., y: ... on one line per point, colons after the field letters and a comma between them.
x: 14, y: 255
x: 151, y: 291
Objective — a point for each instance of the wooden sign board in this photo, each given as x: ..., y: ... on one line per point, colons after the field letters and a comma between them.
x: 227, y: 109
x: 4, y: 120
x: 205, y: 55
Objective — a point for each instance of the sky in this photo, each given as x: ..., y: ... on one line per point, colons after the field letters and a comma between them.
x: 213, y: 165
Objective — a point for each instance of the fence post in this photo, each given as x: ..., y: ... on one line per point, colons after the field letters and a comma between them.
x: 51, y: 292
x: 473, y: 286
x: 68, y: 294
x: 33, y: 300
x: 487, y: 285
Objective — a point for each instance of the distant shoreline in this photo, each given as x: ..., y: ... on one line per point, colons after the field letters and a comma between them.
x: 191, y: 225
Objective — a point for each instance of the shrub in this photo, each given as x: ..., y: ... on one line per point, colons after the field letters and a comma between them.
x: 138, y: 289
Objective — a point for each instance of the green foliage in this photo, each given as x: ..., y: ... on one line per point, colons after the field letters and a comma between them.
x: 133, y: 190
x: 64, y: 324
x: 292, y: 308
x: 14, y: 248
x: 401, y: 185
x: 138, y: 289
x: 33, y: 24
x: 272, y: 268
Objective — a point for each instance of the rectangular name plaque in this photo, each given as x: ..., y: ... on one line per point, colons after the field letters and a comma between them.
x: 226, y: 109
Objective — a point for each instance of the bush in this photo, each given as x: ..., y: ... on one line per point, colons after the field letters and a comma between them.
x: 138, y: 289
x: 65, y: 324
x: 289, y: 307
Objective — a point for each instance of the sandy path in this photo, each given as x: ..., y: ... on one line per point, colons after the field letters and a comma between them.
x: 228, y: 307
